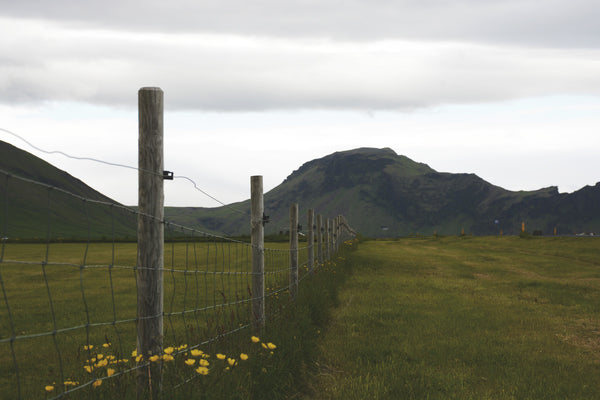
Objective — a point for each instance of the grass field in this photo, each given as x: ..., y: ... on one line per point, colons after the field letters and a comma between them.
x: 466, y: 318
x: 414, y: 318
x: 70, y: 295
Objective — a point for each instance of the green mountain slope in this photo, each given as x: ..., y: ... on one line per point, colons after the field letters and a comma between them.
x: 380, y: 193
x: 34, y: 211
x: 385, y: 194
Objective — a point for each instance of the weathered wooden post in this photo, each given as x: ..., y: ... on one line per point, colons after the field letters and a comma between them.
x: 293, y: 251
x: 310, y: 239
x: 328, y: 238
x: 258, y: 251
x: 320, y: 239
x: 150, y: 239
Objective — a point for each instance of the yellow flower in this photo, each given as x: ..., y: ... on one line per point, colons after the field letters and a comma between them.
x: 264, y: 345
x: 88, y: 368
x: 271, y: 346
x: 110, y: 372
x: 102, y: 363
x: 243, y: 356
x: 255, y: 339
x: 100, y: 356
x: 97, y: 383
x: 139, y: 358
x: 49, y: 388
x: 196, y: 352
x: 221, y: 356
x: 169, y: 350
x: 86, y: 347
x: 71, y: 383
x: 155, y: 358
x: 203, y: 362
x: 134, y: 353
x: 190, y: 361
x: 202, y: 370
x: 182, y: 347
x: 231, y: 361
x: 106, y: 345
x: 168, y: 357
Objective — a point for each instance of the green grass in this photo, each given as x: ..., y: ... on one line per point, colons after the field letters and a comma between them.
x: 86, y: 300
x: 466, y: 318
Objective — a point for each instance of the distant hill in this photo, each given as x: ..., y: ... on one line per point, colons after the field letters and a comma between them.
x: 31, y: 211
x: 380, y: 192
x: 385, y: 194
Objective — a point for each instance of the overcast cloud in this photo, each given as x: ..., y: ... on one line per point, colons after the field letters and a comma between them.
x: 64, y: 60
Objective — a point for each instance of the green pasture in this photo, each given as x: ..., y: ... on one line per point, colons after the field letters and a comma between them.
x: 465, y: 318
x: 93, y: 293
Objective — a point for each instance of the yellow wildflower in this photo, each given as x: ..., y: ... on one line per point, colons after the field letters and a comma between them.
x: 110, y: 372
x: 196, y: 352
x: 100, y: 356
x: 139, y: 358
x: 190, y: 361
x: 88, y: 368
x: 255, y: 339
x: 134, y: 353
x: 202, y: 370
x: 49, y: 388
x: 88, y: 347
x: 168, y: 357
x: 97, y: 383
x: 101, y: 363
x: 221, y: 356
x: 271, y: 346
x: 71, y: 383
x: 232, y: 361
x: 264, y: 345
x: 203, y: 362
x: 243, y: 356
x: 169, y: 350
x: 155, y: 358
x: 182, y: 347
x: 106, y: 345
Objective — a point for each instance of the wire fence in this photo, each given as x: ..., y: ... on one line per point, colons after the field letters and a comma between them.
x: 68, y: 314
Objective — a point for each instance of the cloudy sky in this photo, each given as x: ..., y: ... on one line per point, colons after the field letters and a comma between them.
x: 506, y: 89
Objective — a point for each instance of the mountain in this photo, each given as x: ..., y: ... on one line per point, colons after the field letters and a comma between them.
x: 382, y: 193
x: 45, y: 210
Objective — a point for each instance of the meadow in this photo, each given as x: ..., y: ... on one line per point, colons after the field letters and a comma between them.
x: 466, y: 318
x: 412, y: 318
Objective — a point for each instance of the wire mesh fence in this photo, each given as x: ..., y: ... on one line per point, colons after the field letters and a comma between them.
x: 68, y: 311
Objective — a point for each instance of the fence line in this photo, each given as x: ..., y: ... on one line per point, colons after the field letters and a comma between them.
x: 90, y: 289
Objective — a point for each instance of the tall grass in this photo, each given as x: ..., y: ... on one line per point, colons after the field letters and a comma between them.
x: 466, y: 318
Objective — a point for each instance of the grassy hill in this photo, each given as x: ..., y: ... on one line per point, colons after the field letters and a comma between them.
x: 380, y: 192
x: 46, y: 210
x: 385, y: 194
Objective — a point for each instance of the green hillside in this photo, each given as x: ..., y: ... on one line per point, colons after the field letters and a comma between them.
x: 49, y: 209
x: 381, y: 193
x: 385, y: 194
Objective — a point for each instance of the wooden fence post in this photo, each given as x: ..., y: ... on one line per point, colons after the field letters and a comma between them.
x: 328, y: 237
x: 258, y: 251
x: 150, y: 239
x: 310, y: 239
x: 293, y: 251
x: 320, y: 239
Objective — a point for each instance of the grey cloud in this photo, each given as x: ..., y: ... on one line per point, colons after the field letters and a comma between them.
x: 548, y: 23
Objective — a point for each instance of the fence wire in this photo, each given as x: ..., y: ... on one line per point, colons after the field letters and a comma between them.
x: 69, y: 292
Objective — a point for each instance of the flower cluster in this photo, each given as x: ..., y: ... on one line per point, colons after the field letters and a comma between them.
x: 101, y: 365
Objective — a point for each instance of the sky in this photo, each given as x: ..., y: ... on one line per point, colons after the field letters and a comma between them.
x: 505, y: 89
